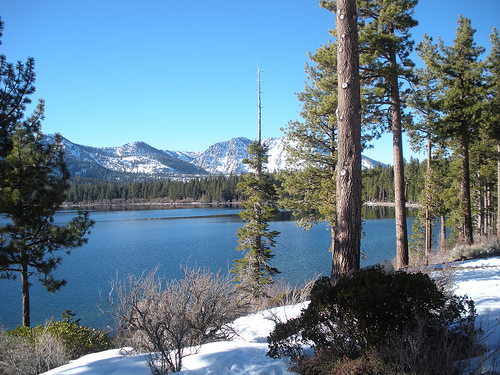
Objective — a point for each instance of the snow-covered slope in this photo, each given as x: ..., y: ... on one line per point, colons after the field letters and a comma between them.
x: 226, y: 157
x: 246, y: 354
x: 140, y: 160
x: 133, y: 160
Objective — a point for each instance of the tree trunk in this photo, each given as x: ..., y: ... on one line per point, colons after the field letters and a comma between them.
x: 347, y: 237
x: 444, y: 243
x: 428, y: 216
x: 25, y: 296
x: 498, y: 187
x: 402, y: 256
x: 465, y: 192
x: 399, y: 196
x: 399, y: 183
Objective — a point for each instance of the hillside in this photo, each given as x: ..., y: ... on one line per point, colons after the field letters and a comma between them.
x: 139, y: 160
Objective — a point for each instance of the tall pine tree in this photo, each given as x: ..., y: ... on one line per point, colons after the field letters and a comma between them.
x: 311, y: 144
x: 253, y: 272
x: 424, y: 99
x: 461, y: 82
x: 493, y: 108
x: 385, y: 45
x: 34, y: 188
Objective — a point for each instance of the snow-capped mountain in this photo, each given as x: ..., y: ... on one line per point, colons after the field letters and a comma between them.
x: 140, y: 160
x: 226, y: 157
x: 133, y: 160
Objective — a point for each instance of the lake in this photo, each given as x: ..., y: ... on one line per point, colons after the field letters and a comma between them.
x: 130, y: 242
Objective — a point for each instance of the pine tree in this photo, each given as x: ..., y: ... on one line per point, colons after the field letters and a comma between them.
x: 493, y: 109
x: 425, y: 100
x: 312, y: 144
x: 253, y: 272
x: 35, y: 186
x: 461, y: 77
x: 385, y: 45
x: 384, y: 48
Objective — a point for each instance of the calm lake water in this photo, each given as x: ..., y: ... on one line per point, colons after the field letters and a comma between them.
x: 129, y: 242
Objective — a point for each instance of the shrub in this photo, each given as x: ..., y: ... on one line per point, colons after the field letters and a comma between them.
x: 28, y: 352
x: 373, y: 315
x: 281, y: 293
x: 162, y: 318
x: 482, y: 249
x: 78, y: 340
x: 326, y: 361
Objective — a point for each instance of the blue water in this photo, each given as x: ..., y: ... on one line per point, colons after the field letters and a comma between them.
x: 130, y: 242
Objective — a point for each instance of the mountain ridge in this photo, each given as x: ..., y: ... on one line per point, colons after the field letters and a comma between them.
x: 139, y: 160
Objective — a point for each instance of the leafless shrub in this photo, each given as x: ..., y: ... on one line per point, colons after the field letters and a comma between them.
x: 437, y: 351
x: 489, y: 361
x: 281, y: 293
x: 31, y: 355
x: 170, y: 319
x: 50, y: 352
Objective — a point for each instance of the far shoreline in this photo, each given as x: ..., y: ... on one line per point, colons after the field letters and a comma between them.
x: 118, y: 205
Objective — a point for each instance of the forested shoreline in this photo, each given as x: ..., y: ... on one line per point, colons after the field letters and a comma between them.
x: 378, y: 186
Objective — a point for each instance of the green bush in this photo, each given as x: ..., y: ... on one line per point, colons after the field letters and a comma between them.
x: 22, y: 356
x: 78, y: 340
x: 373, y: 312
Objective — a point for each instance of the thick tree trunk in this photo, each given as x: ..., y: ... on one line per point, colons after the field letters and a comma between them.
x: 347, y: 237
x: 465, y: 192
x: 25, y: 296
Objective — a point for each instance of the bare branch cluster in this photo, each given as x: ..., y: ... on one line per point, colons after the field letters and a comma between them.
x: 170, y: 319
x: 31, y: 355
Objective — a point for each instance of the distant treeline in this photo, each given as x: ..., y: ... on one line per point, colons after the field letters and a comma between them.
x: 378, y: 186
x: 378, y: 183
x: 199, y: 189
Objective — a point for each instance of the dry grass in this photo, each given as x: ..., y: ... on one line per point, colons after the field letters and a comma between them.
x: 282, y: 293
x: 482, y: 248
x: 31, y: 356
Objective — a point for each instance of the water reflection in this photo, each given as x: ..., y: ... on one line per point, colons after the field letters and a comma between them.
x: 367, y: 213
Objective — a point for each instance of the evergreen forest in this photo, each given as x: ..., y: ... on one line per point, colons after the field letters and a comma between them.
x: 378, y: 186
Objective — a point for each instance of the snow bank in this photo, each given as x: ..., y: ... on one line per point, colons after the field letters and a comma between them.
x: 246, y: 354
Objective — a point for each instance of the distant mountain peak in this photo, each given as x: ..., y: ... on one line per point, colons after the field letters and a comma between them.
x: 139, y: 160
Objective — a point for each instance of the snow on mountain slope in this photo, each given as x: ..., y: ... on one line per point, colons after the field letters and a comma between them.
x: 133, y: 159
x: 224, y: 157
x: 140, y: 160
x: 277, y: 155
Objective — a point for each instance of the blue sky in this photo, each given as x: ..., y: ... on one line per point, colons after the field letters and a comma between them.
x: 182, y: 75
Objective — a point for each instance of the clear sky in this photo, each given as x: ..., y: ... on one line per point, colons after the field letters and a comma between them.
x: 182, y: 75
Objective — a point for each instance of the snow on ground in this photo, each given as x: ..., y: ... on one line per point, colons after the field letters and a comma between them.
x: 480, y: 280
x: 246, y: 354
